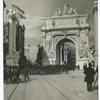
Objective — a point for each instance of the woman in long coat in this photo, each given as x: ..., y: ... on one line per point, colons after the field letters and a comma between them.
x: 89, y: 78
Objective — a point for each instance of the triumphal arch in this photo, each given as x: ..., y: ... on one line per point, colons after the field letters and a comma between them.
x: 65, y: 40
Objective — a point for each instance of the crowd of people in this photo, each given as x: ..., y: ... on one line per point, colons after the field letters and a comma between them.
x: 48, y: 69
x: 12, y: 73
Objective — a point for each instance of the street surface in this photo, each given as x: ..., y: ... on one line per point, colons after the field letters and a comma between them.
x: 64, y: 86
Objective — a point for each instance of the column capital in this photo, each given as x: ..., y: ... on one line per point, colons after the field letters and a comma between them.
x: 12, y: 16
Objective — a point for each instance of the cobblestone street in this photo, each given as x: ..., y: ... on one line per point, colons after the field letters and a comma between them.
x: 69, y: 86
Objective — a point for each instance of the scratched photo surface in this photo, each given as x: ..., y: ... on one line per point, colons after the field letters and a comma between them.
x: 50, y: 49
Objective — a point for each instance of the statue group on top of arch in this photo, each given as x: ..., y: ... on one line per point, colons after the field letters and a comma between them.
x: 67, y: 11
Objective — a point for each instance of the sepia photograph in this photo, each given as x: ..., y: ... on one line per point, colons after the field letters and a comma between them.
x: 50, y: 49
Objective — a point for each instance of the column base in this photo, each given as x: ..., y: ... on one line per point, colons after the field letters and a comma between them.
x: 12, y: 59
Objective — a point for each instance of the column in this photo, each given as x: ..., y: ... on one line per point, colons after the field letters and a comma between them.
x: 44, y: 47
x: 61, y: 55
x: 14, y: 34
x: 66, y: 55
x: 53, y: 49
x: 12, y: 57
x: 77, y: 48
x: 10, y: 34
x: 95, y: 12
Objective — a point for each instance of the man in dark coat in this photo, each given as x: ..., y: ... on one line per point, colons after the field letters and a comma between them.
x: 89, y: 78
x: 84, y: 67
x: 26, y: 68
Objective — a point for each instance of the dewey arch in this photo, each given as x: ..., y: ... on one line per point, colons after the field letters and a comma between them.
x: 68, y: 33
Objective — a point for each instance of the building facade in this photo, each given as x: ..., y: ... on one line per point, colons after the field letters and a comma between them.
x: 13, y: 38
x: 65, y: 40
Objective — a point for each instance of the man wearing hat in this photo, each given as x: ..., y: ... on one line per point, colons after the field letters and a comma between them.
x: 89, y: 78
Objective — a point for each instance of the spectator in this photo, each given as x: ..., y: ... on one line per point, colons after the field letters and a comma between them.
x: 89, y: 78
x: 84, y: 67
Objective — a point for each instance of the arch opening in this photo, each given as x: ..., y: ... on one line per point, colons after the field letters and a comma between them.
x: 65, y: 53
